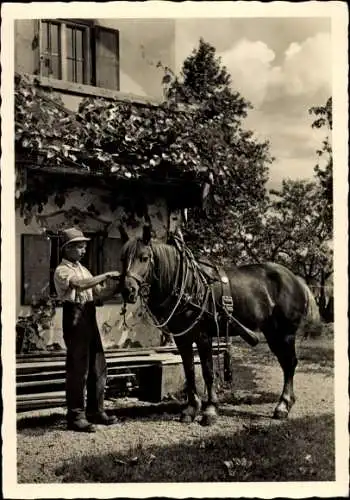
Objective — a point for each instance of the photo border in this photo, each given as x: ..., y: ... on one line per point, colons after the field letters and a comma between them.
x: 337, y: 11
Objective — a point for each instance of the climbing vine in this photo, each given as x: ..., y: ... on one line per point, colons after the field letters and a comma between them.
x: 119, y: 139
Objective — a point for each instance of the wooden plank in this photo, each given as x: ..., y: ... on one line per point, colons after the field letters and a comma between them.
x: 40, y: 383
x: 61, y: 356
x: 61, y: 362
x: 40, y: 374
x: 41, y: 396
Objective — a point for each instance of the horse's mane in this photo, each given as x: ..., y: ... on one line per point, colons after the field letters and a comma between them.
x: 165, y: 257
x: 166, y: 260
x: 129, y: 250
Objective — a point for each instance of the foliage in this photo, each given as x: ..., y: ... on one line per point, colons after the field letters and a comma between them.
x: 29, y: 328
x: 237, y: 161
x: 115, y: 138
x: 324, y: 175
x: 296, y: 227
x: 293, y: 231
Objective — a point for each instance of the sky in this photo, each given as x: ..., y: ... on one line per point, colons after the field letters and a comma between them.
x: 283, y: 67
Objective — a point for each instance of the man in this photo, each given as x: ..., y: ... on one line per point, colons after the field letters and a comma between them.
x: 86, y: 367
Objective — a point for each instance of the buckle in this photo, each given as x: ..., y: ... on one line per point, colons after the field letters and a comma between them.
x: 227, y: 303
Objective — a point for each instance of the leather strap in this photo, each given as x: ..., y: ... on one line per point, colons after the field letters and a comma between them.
x: 226, y: 298
x: 227, y: 304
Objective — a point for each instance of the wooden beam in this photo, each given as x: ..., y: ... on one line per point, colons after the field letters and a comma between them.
x: 91, y: 91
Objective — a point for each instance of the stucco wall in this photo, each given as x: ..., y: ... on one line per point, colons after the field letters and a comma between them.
x: 110, y: 320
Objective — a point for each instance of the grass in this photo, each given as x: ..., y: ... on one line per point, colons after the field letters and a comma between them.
x: 258, y: 453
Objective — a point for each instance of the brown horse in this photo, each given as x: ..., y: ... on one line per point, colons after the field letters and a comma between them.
x: 266, y: 297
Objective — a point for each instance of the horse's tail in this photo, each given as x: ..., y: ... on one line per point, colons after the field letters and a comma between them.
x: 312, y: 312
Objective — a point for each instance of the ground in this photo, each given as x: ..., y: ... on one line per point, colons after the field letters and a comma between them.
x: 246, y: 444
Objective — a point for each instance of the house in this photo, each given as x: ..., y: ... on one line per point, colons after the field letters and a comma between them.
x: 75, y: 59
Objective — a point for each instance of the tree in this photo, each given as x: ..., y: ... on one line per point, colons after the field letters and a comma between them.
x: 237, y: 162
x: 324, y: 175
x: 296, y: 229
x: 324, y: 178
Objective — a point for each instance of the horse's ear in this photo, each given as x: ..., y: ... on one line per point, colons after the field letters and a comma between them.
x: 123, y: 234
x: 147, y: 234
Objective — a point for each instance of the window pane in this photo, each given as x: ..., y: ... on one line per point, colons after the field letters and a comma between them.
x: 79, y: 44
x: 55, y: 71
x: 70, y: 70
x: 69, y: 38
x: 51, y: 37
x: 80, y: 72
x: 51, y: 66
x: 45, y: 35
x: 51, y: 63
x: 45, y: 67
x: 54, y: 39
x: 75, y: 54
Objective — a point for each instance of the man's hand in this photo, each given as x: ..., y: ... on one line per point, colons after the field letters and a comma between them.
x: 113, y: 275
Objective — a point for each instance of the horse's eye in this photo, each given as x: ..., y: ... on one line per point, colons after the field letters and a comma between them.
x: 143, y: 258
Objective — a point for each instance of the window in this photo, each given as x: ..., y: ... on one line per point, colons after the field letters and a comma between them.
x: 76, y: 55
x: 78, y: 52
x: 51, y: 49
x: 41, y: 255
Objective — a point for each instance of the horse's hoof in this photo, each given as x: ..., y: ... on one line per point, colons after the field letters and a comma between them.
x: 283, y: 408
x: 186, y: 419
x: 208, y: 420
x: 280, y: 413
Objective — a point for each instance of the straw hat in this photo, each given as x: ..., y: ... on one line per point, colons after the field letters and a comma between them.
x: 72, y: 235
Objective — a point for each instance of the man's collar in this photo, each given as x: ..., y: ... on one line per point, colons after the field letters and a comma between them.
x: 70, y: 263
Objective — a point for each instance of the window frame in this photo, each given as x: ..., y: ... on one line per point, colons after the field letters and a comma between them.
x: 63, y: 23
x: 86, y: 52
x: 90, y: 41
x: 43, y: 53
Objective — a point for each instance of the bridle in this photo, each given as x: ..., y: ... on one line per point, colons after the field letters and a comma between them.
x: 144, y: 290
x: 141, y: 281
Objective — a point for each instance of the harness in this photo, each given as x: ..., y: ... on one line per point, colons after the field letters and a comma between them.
x: 207, y: 276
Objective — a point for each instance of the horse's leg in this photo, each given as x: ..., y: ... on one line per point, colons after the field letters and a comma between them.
x: 283, y: 346
x: 194, y: 403
x: 205, y: 350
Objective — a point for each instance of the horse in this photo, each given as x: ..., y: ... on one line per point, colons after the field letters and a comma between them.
x: 180, y: 296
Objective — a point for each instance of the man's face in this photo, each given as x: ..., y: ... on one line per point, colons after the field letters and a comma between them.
x: 76, y: 251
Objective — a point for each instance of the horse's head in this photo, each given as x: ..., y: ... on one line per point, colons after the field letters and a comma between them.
x: 137, y: 258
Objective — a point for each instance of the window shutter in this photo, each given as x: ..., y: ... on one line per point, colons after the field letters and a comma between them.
x: 111, y: 262
x: 107, y: 58
x: 35, y: 267
x: 36, y: 47
x: 111, y: 254
x: 91, y: 258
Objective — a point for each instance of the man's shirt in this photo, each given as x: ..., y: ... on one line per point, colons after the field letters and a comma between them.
x: 64, y: 272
